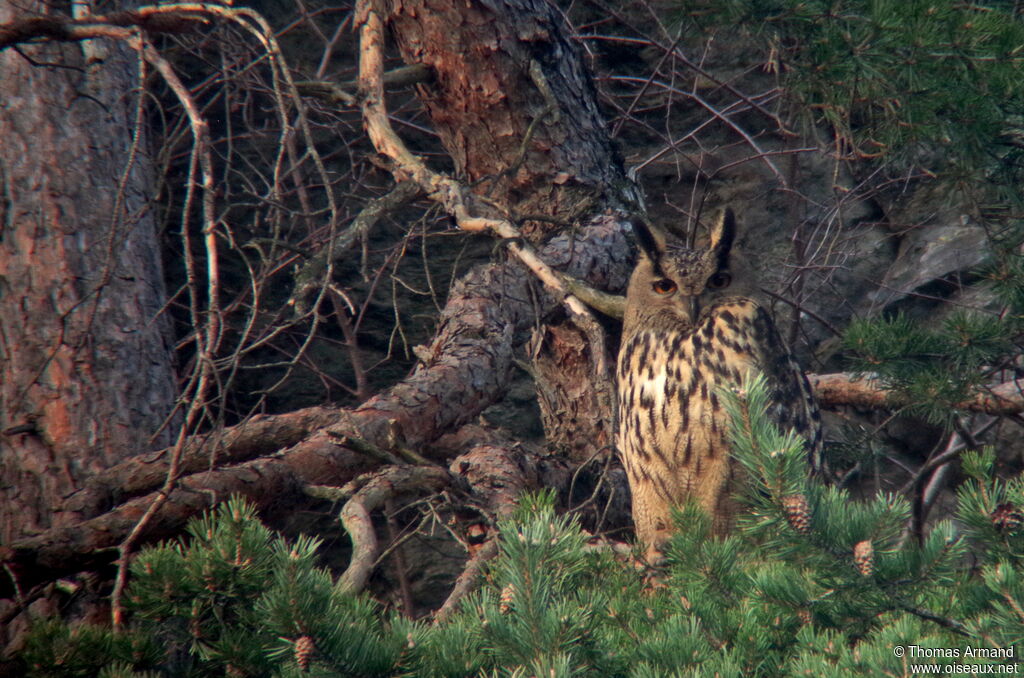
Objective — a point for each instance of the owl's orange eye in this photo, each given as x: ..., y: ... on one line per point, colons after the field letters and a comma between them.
x: 664, y: 286
x: 719, y: 280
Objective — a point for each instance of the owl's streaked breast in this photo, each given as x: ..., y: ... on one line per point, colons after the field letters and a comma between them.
x: 673, y: 434
x: 692, y: 328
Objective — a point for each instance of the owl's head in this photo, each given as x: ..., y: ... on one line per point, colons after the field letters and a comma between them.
x: 673, y: 283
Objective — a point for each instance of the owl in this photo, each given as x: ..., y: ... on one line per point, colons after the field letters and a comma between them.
x: 694, y: 324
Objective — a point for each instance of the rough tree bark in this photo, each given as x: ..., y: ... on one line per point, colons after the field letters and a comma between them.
x: 539, y: 152
x: 516, y: 110
x: 514, y: 106
x: 469, y: 370
x: 86, y: 371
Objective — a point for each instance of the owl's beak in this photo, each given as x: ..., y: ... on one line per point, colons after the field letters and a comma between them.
x: 694, y: 309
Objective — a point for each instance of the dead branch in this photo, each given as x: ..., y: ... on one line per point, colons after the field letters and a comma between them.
x: 397, y: 552
x: 455, y: 198
x: 177, y: 18
x: 257, y: 436
x: 208, y: 341
x: 375, y: 489
x: 341, y: 94
x: 467, y: 581
x: 468, y: 367
x: 326, y: 91
x: 311, y: 276
x: 499, y: 473
x: 848, y: 389
x: 62, y: 29
x: 269, y: 482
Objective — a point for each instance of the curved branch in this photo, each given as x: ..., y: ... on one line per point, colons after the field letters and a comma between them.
x: 449, y: 193
x: 176, y: 18
x: 376, y: 489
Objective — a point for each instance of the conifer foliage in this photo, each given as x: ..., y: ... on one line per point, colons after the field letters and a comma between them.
x: 812, y: 584
x: 936, y: 368
x: 920, y: 84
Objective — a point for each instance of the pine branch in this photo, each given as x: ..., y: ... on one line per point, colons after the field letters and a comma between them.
x: 849, y: 389
x: 946, y: 623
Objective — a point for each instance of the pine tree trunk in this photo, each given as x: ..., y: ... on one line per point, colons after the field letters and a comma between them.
x: 516, y: 110
x: 515, y: 107
x: 86, y: 374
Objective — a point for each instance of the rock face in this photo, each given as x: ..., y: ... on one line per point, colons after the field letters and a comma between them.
x: 943, y: 251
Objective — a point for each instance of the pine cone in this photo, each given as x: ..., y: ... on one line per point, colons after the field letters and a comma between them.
x: 804, y: 615
x: 304, y: 648
x: 864, y: 557
x: 508, y: 596
x: 1007, y: 517
x: 798, y: 513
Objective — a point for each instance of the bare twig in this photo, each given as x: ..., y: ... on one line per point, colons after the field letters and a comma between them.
x: 467, y: 580
x: 355, y: 354
x: 401, y: 570
x: 340, y: 94
x: 207, y: 341
x: 377, y: 488
x: 929, y: 481
x: 310, y: 276
x: 721, y: 115
x: 453, y: 196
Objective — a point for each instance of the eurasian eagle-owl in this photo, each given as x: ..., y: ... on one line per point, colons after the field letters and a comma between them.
x: 694, y: 324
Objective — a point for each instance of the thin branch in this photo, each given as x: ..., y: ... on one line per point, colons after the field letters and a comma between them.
x: 310, y: 276
x: 340, y: 94
x: 455, y: 198
x: 378, y: 488
x: 172, y: 18
x: 467, y: 581
x: 207, y: 341
x: 401, y: 569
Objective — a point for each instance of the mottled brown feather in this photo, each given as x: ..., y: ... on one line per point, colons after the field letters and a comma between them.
x: 678, y: 350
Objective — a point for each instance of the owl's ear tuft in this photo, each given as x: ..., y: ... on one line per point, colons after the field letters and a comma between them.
x: 651, y: 242
x: 723, y: 233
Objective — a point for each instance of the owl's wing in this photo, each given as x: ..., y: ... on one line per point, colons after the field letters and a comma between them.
x: 794, y: 404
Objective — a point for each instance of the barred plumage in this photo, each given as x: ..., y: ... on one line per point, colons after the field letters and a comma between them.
x: 693, y: 325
